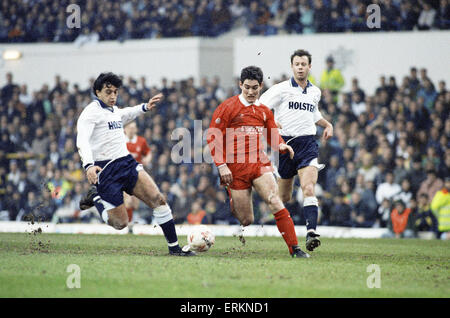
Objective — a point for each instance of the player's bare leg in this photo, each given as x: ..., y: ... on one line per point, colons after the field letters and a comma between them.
x: 242, y: 209
x: 131, y: 204
x: 308, y: 179
x: 243, y: 206
x: 267, y: 188
x: 117, y: 217
x: 285, y: 188
x: 128, y: 205
x: 147, y: 191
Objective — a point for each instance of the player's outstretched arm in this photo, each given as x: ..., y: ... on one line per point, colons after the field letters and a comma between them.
x: 128, y: 114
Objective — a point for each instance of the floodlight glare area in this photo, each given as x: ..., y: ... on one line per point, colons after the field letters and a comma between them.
x: 11, y: 54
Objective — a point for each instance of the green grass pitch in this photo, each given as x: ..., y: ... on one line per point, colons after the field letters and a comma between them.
x: 35, y: 265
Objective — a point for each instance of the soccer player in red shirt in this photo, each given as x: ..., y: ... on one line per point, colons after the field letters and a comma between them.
x: 234, y: 138
x: 139, y: 149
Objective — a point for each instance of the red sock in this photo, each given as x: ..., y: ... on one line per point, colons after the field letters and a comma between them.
x: 286, y: 227
x: 130, y: 214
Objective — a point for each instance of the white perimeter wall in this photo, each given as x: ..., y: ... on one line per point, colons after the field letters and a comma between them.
x: 174, y: 59
x: 366, y: 56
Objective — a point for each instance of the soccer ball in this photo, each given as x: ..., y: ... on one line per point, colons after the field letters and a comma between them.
x: 200, y: 239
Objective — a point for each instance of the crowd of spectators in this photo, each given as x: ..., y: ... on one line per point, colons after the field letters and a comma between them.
x: 390, y: 152
x: 51, y: 21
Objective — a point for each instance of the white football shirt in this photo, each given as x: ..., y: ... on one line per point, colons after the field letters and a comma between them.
x: 297, y: 110
x: 100, y: 134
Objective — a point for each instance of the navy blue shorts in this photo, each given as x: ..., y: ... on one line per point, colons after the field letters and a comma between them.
x: 117, y: 176
x: 305, y: 149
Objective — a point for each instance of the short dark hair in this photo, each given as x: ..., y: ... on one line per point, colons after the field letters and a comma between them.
x: 301, y: 53
x: 252, y: 73
x: 106, y: 79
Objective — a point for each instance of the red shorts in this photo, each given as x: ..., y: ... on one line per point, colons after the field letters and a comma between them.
x: 244, y: 173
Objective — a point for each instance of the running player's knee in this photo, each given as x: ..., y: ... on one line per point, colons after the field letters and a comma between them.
x: 308, y: 190
x: 119, y: 224
x: 274, y: 201
x: 247, y: 220
x: 158, y: 199
x: 286, y: 197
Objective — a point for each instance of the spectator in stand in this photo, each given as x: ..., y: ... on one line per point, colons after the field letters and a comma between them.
x: 322, y: 16
x: 408, y: 15
x: 431, y: 185
x: 391, y: 16
x: 362, y: 213
x: 405, y: 194
x: 293, y: 22
x: 307, y: 17
x: 400, y: 172
x: 340, y: 213
x: 8, y: 90
x: 278, y: 21
x: 384, y: 211
x: 202, y: 22
x: 237, y: 10
x: 331, y: 78
x: 14, y: 173
x: 197, y: 214
x: 425, y: 220
x: 443, y: 15
x: 221, y: 18
x: 388, y: 189
x: 368, y: 169
x: 331, y: 173
x: 427, y: 16
x: 68, y: 212
x: 440, y: 205
x: 414, y: 82
x: 401, y: 222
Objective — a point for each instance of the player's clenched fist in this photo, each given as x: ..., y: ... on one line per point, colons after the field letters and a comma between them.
x: 91, y: 174
x: 327, y: 132
x: 225, y: 174
x: 284, y: 147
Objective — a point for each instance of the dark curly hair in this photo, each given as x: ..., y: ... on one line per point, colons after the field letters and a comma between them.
x: 107, y: 79
x: 252, y: 73
x: 301, y: 53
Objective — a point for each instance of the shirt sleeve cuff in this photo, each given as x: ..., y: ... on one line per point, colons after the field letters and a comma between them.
x: 144, y: 108
x: 86, y: 167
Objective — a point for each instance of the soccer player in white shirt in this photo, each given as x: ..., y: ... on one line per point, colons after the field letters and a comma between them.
x: 111, y: 168
x: 295, y: 103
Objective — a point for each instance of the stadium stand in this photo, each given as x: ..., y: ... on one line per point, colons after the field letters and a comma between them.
x: 390, y: 145
x: 382, y: 138
x: 45, y: 20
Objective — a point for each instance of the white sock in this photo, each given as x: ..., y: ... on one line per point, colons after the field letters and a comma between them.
x: 162, y: 214
x: 105, y: 216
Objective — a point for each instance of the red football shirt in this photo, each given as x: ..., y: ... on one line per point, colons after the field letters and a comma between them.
x: 138, y: 147
x: 243, y: 125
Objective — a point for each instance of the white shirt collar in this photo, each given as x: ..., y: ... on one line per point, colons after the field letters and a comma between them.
x: 132, y: 140
x: 243, y: 101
